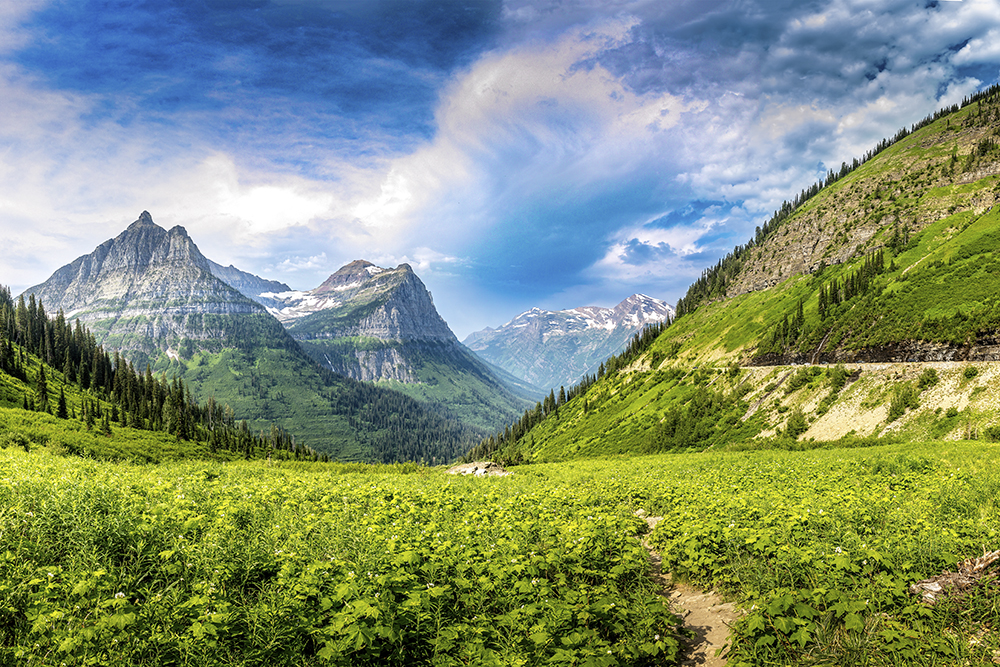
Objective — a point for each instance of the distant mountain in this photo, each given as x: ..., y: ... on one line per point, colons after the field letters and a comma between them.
x: 151, y: 294
x: 247, y: 283
x: 380, y: 325
x: 557, y: 348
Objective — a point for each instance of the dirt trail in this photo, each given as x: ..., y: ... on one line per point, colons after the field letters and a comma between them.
x: 704, y: 613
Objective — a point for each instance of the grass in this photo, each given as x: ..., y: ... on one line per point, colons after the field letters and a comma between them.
x: 242, y: 564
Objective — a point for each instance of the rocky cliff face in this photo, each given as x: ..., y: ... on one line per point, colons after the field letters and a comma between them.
x: 857, y: 215
x: 148, y: 290
x: 362, y: 299
x: 380, y: 325
x: 557, y: 348
x: 364, y: 320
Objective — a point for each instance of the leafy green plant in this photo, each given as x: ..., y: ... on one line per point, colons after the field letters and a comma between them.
x: 904, y: 397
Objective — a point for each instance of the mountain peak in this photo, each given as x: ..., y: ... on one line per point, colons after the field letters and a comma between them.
x: 138, y: 288
x: 145, y: 220
x: 349, y: 275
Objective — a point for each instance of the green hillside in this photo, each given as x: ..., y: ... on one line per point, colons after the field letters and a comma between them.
x: 344, y: 418
x: 443, y: 375
x: 268, y: 387
x: 889, y: 268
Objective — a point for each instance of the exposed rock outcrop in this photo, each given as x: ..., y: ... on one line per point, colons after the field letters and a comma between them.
x: 480, y: 469
x: 362, y: 299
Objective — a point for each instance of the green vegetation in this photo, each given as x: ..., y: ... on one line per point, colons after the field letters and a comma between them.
x: 820, y: 549
x: 94, y: 393
x: 245, y: 564
x: 440, y: 374
x: 274, y: 391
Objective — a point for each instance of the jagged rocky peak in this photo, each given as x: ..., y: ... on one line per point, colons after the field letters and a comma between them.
x: 362, y: 299
x: 144, y: 219
x: 141, y: 285
x: 350, y: 275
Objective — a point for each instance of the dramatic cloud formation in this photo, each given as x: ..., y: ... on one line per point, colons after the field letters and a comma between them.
x: 524, y: 153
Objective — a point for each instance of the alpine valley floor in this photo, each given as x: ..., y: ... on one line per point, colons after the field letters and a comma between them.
x: 245, y: 563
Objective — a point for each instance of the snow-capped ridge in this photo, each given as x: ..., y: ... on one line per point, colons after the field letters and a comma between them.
x: 552, y: 348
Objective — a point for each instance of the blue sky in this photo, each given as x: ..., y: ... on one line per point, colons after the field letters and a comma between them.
x: 524, y: 153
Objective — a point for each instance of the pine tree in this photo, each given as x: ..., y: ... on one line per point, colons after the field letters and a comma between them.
x: 42, y: 390
x: 61, y: 411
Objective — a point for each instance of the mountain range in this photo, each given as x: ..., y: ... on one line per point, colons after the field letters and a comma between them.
x: 151, y: 294
x: 557, y: 348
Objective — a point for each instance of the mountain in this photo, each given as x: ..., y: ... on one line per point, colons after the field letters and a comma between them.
x: 150, y: 294
x: 150, y: 291
x: 556, y: 348
x: 364, y: 300
x: 869, y: 307
x: 380, y: 325
x: 247, y: 283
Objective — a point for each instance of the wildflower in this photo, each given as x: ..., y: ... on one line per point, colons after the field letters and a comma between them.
x: 119, y: 595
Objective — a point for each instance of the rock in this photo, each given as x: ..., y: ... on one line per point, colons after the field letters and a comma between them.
x: 480, y: 469
x: 971, y: 573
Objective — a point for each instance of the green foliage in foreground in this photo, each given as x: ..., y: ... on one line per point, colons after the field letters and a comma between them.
x: 820, y: 549
x: 244, y: 564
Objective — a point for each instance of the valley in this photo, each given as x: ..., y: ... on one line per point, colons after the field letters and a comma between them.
x: 816, y: 430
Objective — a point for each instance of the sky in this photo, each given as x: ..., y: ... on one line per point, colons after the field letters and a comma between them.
x: 517, y: 154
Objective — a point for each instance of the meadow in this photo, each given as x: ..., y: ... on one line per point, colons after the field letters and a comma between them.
x: 245, y: 563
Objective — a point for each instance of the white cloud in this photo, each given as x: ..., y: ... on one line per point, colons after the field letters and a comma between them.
x: 514, y: 124
x: 296, y: 264
x: 985, y: 49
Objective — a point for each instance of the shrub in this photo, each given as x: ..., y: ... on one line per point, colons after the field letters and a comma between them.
x: 970, y: 372
x: 838, y: 377
x: 928, y: 378
x: 903, y: 397
x: 797, y: 424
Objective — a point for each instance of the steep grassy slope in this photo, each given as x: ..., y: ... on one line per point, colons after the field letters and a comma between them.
x: 925, y: 208
x: 344, y: 418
